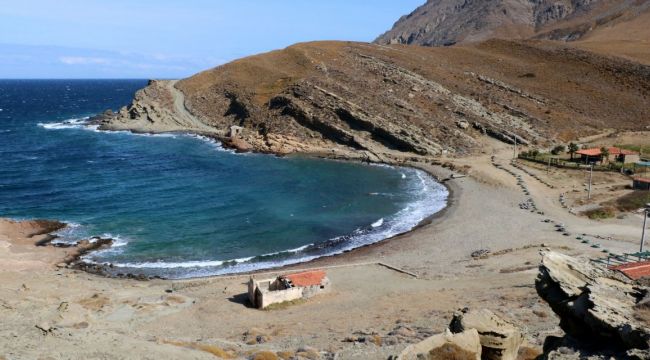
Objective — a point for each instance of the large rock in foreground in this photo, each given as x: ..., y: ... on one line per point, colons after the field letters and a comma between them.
x: 465, y: 345
x: 500, y: 339
x: 598, y: 307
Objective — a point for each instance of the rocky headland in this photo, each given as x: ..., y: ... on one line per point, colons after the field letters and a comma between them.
x: 396, y: 103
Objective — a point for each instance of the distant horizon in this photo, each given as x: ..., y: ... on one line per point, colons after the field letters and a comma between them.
x: 94, y: 40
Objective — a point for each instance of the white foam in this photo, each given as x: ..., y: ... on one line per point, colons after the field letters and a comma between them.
x: 431, y: 198
x: 217, y: 145
x: 75, y: 123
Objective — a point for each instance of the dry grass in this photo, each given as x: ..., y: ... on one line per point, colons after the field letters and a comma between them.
x: 450, y: 352
x: 633, y: 201
x: 284, y: 305
x: 286, y: 355
x: 265, y: 355
x: 601, y: 213
x: 528, y: 353
x: 210, y: 349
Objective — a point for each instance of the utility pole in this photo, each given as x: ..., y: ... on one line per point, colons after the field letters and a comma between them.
x: 514, y: 156
x: 591, y: 176
x: 548, y: 168
x: 646, y: 212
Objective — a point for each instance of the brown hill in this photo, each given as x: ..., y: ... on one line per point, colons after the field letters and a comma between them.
x: 446, y: 22
x: 388, y: 102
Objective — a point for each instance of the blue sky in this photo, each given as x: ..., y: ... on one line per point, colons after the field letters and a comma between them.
x: 171, y: 39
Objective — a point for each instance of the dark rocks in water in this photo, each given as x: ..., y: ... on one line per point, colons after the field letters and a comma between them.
x: 46, y: 227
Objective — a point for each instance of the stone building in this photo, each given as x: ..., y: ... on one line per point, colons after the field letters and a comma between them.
x: 263, y: 293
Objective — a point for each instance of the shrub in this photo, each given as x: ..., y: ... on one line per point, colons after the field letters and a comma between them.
x: 633, y: 201
x: 558, y: 150
x: 601, y: 213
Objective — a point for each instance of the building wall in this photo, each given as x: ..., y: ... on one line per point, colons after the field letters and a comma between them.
x: 639, y: 185
x: 262, y: 293
x: 280, y: 296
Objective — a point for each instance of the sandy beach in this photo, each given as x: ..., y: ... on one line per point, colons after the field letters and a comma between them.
x: 393, y: 293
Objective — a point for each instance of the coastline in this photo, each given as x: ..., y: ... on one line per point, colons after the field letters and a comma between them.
x: 430, y: 274
x: 74, y: 259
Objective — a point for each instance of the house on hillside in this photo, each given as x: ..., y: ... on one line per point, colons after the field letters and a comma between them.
x: 594, y: 155
x: 285, y: 288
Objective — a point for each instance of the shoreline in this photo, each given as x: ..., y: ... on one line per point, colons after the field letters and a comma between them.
x: 410, y: 283
x: 87, y: 246
x: 101, y: 269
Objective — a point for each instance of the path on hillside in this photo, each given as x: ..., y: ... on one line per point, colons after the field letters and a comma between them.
x: 182, y: 115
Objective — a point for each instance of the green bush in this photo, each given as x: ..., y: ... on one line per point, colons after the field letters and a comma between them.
x: 558, y: 150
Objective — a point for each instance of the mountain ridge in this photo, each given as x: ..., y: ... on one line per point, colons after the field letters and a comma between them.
x: 448, y: 22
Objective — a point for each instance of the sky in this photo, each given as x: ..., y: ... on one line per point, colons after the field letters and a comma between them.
x: 172, y: 38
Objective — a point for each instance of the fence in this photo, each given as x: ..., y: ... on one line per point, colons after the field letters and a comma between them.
x: 569, y: 164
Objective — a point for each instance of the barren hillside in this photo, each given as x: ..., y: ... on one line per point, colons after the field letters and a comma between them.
x: 447, y: 22
x: 394, y: 101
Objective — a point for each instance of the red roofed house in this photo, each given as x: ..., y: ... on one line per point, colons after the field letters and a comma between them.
x: 635, y: 270
x: 263, y: 293
x: 620, y: 155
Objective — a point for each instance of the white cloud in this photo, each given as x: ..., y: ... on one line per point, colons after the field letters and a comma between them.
x: 83, y: 60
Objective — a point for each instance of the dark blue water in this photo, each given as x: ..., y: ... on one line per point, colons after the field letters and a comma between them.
x: 179, y: 205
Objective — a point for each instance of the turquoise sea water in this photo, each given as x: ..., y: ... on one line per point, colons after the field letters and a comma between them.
x: 180, y: 205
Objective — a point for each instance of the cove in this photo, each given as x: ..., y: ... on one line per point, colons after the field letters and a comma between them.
x: 181, y: 206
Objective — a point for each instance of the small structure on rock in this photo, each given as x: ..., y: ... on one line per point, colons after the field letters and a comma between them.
x: 285, y: 288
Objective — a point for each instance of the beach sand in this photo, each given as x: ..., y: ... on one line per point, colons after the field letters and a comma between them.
x: 53, y: 312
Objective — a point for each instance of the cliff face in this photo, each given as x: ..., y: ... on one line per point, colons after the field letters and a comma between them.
x: 446, y: 22
x: 395, y: 102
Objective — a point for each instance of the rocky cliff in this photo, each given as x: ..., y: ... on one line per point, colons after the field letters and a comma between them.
x: 604, y: 314
x: 395, y: 102
x: 447, y: 22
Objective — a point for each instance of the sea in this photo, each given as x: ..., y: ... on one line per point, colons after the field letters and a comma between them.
x: 180, y: 205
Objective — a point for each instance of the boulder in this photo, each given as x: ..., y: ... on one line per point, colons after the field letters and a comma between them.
x: 465, y: 345
x: 500, y: 340
x: 597, y: 306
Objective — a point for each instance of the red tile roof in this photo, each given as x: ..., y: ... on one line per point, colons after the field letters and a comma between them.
x: 589, y: 152
x: 612, y: 151
x: 309, y: 278
x: 634, y: 270
x: 643, y: 180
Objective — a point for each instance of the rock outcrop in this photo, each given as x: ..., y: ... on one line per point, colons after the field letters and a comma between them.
x: 471, y: 335
x: 600, y: 310
x: 465, y: 345
x: 447, y: 22
x: 500, y: 340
